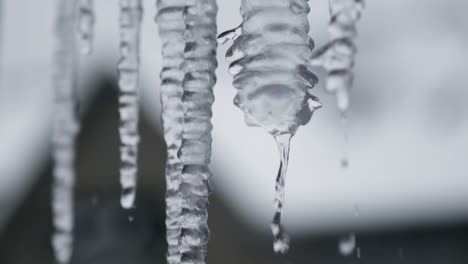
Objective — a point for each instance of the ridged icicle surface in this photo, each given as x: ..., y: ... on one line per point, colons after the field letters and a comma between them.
x: 86, y: 26
x: 195, y: 151
x: 171, y: 24
x: 270, y: 62
x: 65, y: 128
x: 128, y: 68
x: 337, y: 57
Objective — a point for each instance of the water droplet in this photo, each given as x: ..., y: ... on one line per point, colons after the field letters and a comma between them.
x: 347, y: 244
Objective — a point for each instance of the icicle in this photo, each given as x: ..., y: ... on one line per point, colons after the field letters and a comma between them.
x: 337, y: 57
x: 128, y: 68
x: 171, y: 25
x: 86, y: 26
x: 195, y: 152
x: 65, y: 128
x: 270, y: 60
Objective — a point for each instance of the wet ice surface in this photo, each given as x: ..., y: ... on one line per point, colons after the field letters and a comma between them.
x: 337, y: 56
x: 86, y: 26
x: 128, y: 68
x: 65, y: 128
x: 270, y: 62
x: 171, y: 25
x: 195, y: 151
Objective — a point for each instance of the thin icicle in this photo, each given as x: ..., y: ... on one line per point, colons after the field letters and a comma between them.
x: 270, y: 60
x: 65, y: 128
x: 86, y: 26
x: 172, y: 26
x: 128, y: 68
x: 195, y: 152
x: 337, y: 56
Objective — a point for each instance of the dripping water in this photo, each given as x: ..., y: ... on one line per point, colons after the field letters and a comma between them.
x: 86, y: 26
x: 280, y: 237
x: 347, y: 244
x: 128, y: 69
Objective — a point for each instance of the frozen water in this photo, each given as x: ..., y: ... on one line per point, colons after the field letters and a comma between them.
x: 337, y: 56
x: 86, y: 25
x: 65, y: 128
x: 199, y: 66
x: 171, y: 24
x: 128, y: 68
x: 271, y: 62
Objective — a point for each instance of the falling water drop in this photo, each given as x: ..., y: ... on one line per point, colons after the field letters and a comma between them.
x: 86, y: 26
x: 347, y: 244
x: 65, y: 129
x: 128, y: 68
x: 271, y: 62
x: 337, y: 56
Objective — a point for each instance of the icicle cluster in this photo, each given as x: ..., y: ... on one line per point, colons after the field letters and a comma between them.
x: 86, y: 26
x: 128, y: 68
x: 270, y: 61
x: 337, y: 57
x: 172, y: 26
x: 65, y: 128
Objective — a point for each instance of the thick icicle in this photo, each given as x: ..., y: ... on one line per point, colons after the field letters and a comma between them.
x: 337, y: 56
x: 128, y: 68
x: 86, y: 26
x: 270, y: 61
x: 65, y: 128
x: 195, y: 152
x: 172, y: 26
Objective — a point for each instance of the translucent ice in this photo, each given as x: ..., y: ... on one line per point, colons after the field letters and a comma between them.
x: 86, y: 25
x: 65, y: 128
x: 128, y: 68
x: 199, y: 66
x: 337, y: 56
x: 171, y: 24
x: 270, y: 60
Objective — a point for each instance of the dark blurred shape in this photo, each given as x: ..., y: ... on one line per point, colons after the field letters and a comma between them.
x: 105, y: 233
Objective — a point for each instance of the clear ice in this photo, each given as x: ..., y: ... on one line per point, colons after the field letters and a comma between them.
x: 86, y: 26
x: 171, y: 25
x: 337, y: 56
x: 270, y: 60
x: 128, y: 69
x: 65, y: 129
x: 199, y: 67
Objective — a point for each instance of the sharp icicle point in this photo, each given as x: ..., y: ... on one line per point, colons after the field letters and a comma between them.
x: 128, y: 68
x: 271, y: 63
x: 65, y: 129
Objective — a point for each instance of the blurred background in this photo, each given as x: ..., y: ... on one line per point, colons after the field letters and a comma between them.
x: 404, y: 193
